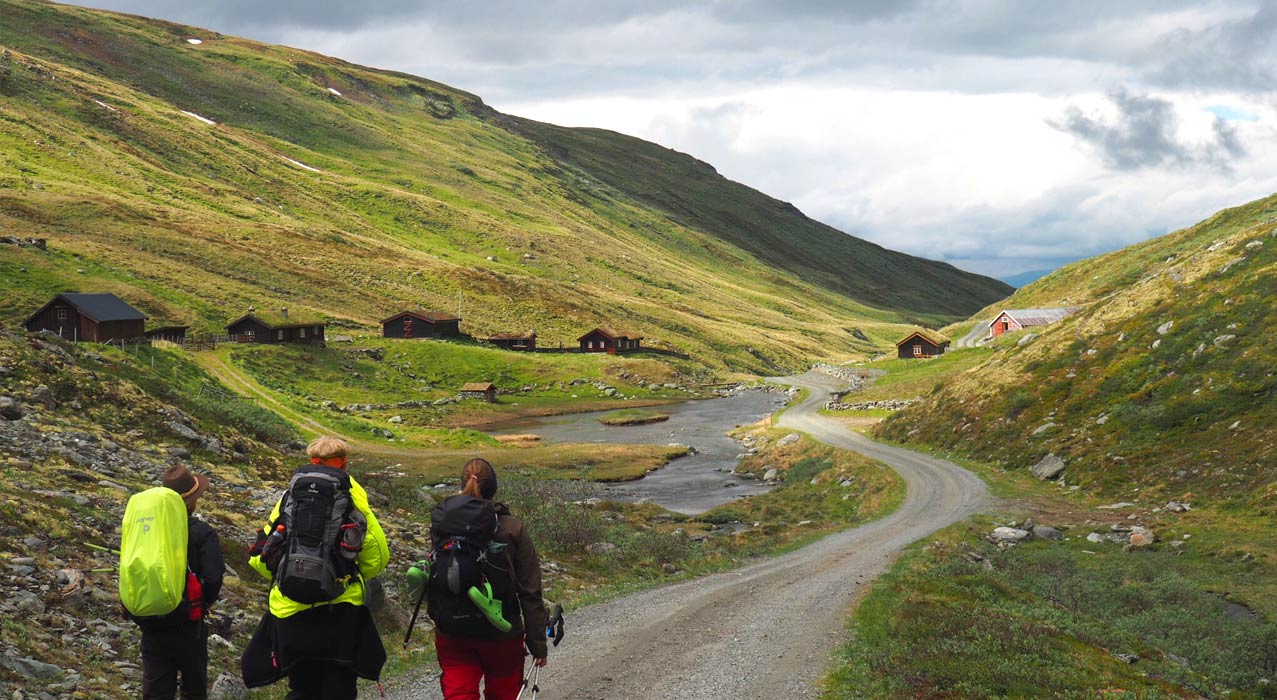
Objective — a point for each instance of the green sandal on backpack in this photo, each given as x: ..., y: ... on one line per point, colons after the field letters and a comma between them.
x: 489, y: 606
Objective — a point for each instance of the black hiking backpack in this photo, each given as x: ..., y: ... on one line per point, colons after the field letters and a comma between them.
x: 465, y: 555
x: 322, y: 534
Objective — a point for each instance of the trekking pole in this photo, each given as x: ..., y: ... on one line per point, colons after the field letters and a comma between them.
x: 536, y: 680
x: 415, y: 611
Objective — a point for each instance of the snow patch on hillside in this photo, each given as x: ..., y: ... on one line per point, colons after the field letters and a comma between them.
x: 206, y: 120
x: 301, y: 165
x: 334, y: 92
x: 194, y: 41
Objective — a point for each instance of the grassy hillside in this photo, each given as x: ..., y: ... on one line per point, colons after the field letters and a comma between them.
x: 1163, y: 385
x: 198, y: 179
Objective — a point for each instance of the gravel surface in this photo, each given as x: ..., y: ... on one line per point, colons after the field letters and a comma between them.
x: 764, y: 631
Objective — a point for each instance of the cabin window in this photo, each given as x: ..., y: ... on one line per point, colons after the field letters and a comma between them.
x: 250, y: 335
x: 590, y: 344
x: 301, y: 332
x: 279, y: 335
x: 62, y: 314
x: 917, y: 350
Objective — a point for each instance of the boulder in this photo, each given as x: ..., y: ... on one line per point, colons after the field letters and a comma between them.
x: 1177, y: 507
x: 1028, y: 338
x: 600, y: 548
x: 1050, y: 467
x: 10, y: 409
x: 184, y: 430
x: 395, y: 419
x: 1043, y: 532
x: 788, y: 440
x: 30, y: 668
x: 771, y: 474
x: 1165, y: 328
x: 228, y: 686
x: 1009, y: 535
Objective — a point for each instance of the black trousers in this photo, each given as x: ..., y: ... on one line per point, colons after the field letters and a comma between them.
x: 167, y: 652
x: 321, y: 680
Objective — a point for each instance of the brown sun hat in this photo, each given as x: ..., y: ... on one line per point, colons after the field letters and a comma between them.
x: 188, y: 485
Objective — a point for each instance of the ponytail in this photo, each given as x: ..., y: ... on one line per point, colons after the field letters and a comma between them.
x: 479, y: 479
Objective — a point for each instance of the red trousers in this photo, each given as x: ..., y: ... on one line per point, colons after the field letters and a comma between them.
x: 499, y: 662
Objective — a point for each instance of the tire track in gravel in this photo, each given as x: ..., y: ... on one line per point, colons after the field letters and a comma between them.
x: 763, y: 631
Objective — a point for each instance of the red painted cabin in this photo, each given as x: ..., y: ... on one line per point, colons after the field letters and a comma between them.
x: 421, y: 324
x: 604, y: 339
x: 94, y: 318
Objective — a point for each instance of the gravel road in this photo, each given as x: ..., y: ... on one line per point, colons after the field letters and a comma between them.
x: 764, y: 631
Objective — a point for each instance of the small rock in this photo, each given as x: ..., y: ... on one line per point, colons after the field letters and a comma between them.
x: 1028, y: 338
x: 1117, y: 506
x: 395, y: 419
x: 28, y: 602
x: 228, y: 687
x: 771, y: 474
x: 1165, y: 328
x: 788, y: 440
x: 10, y: 409
x: 1044, y: 427
x: 1177, y: 507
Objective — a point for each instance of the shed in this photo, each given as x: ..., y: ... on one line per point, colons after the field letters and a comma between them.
x: 421, y: 324
x: 172, y: 334
x: 609, y: 340
x: 276, y: 327
x: 1011, y: 320
x: 484, y: 391
x: 519, y: 342
x: 96, y: 318
x: 921, y: 343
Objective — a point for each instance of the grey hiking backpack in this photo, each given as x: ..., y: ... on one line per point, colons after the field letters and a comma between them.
x: 322, y: 533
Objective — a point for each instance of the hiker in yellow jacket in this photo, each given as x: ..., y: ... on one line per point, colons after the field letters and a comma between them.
x: 327, y: 639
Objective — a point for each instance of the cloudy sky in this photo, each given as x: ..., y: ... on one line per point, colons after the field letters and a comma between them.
x: 1000, y: 136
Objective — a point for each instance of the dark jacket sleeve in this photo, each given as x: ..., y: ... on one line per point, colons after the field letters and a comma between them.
x: 205, y: 557
x: 527, y: 573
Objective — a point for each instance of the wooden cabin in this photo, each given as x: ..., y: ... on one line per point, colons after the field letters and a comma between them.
x: 94, y: 318
x: 518, y: 342
x: 282, y: 327
x: 421, y: 324
x: 484, y: 391
x: 1011, y: 320
x: 172, y: 334
x: 921, y: 343
x: 605, y: 339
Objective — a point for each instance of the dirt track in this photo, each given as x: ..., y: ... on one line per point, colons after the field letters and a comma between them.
x: 761, y: 632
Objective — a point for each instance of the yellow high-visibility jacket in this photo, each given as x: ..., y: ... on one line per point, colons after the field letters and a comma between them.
x: 372, y: 560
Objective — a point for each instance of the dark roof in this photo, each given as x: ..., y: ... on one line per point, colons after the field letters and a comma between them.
x: 478, y: 386
x: 513, y: 336
x: 99, y: 307
x: 926, y: 334
x: 1036, y: 317
x: 427, y: 316
x: 611, y: 333
x: 276, y: 321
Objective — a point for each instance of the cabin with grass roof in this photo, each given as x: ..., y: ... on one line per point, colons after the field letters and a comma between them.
x: 483, y: 391
x: 94, y: 318
x: 421, y: 324
x: 609, y: 340
x: 276, y: 327
x: 517, y: 342
x: 922, y: 343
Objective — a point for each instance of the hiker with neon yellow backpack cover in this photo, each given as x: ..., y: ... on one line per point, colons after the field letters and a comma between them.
x: 171, y: 572
x: 318, y: 631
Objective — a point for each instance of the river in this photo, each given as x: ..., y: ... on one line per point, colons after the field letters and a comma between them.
x: 691, y: 484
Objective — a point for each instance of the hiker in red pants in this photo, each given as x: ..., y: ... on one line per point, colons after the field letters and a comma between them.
x: 484, y: 591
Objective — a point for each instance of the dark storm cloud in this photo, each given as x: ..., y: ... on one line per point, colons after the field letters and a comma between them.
x: 1145, y: 134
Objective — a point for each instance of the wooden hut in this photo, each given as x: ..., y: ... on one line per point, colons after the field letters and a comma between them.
x: 421, y: 324
x: 484, y: 391
x: 1011, y: 320
x: 172, y: 334
x: 609, y: 340
x: 282, y: 327
x: 518, y: 342
x: 95, y: 318
x: 921, y: 343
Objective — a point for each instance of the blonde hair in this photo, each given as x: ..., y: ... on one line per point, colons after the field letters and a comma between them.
x: 327, y: 447
x: 478, y: 477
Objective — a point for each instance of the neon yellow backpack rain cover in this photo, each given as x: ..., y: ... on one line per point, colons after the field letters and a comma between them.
x: 153, y: 552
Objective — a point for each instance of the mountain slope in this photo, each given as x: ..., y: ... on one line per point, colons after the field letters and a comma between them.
x: 352, y: 192
x: 1163, y: 383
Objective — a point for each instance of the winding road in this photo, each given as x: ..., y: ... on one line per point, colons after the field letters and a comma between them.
x: 761, y: 632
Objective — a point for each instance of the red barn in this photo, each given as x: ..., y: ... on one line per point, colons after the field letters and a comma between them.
x: 421, y: 324
x: 95, y: 318
x: 1011, y: 320
x: 605, y: 339
x: 920, y: 344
